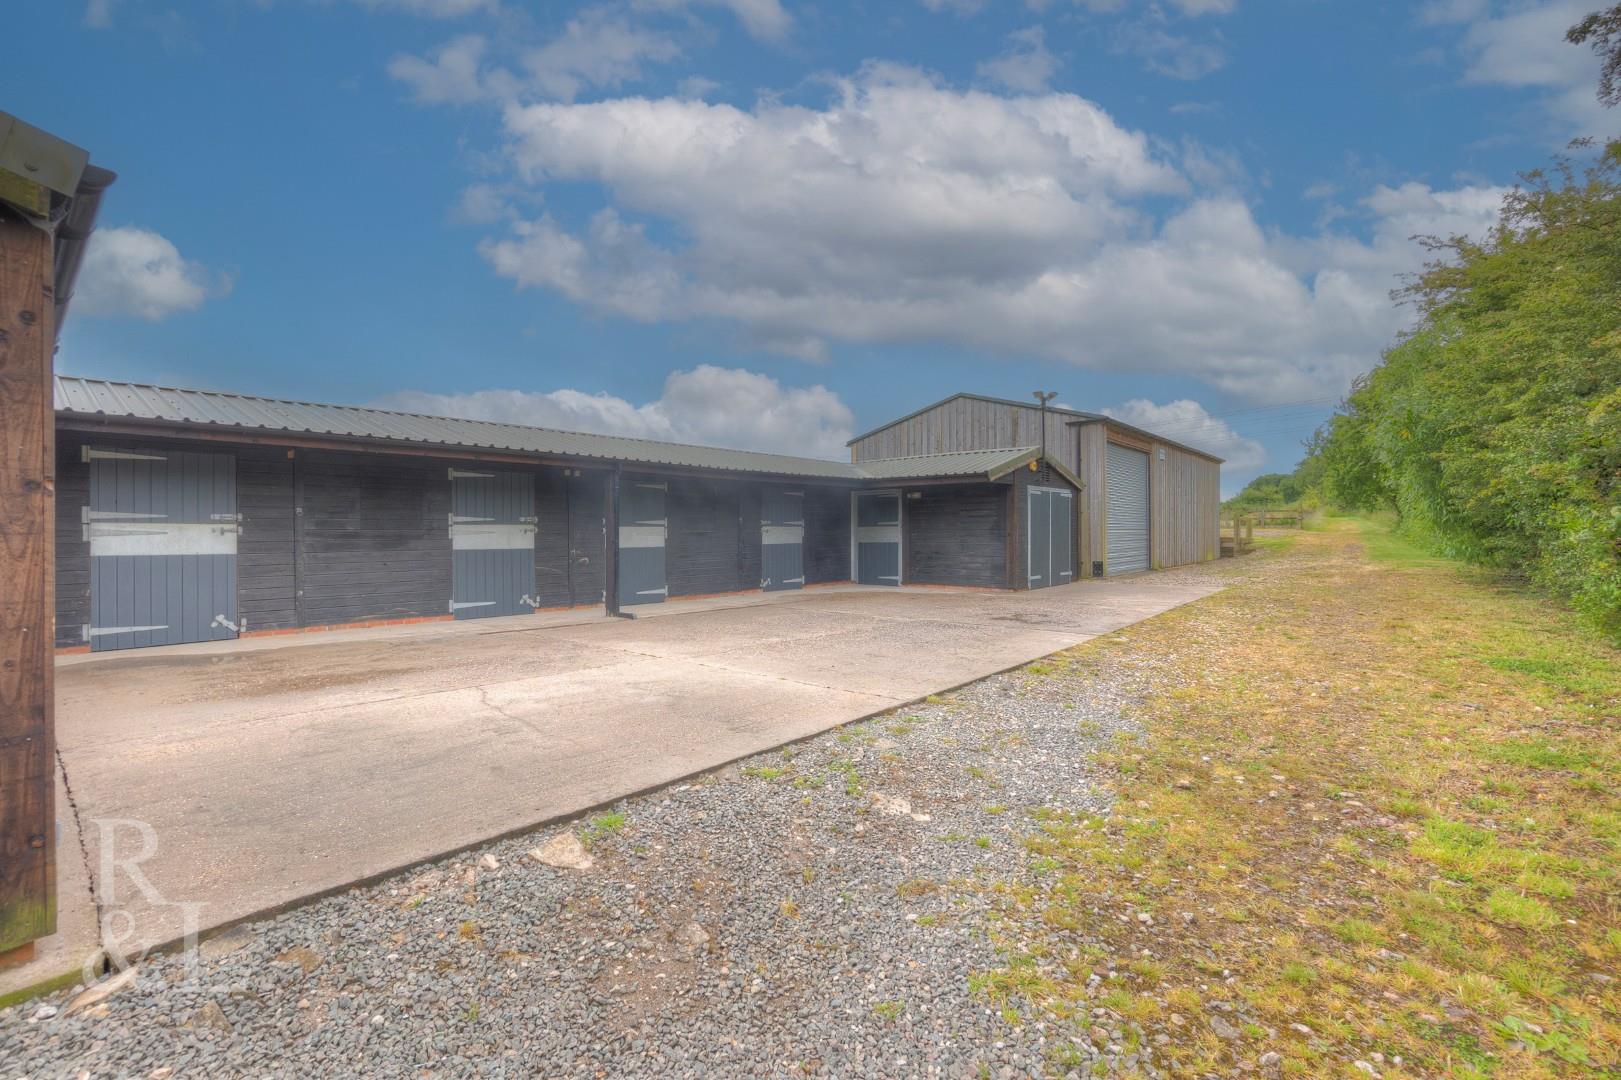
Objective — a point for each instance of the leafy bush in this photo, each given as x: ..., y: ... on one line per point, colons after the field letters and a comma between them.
x: 1493, y: 431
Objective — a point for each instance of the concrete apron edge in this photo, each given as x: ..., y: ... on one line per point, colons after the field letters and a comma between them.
x: 56, y: 982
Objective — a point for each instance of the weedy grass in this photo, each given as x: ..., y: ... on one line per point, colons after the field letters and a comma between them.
x: 889, y: 1011
x: 601, y: 826
x: 1379, y: 795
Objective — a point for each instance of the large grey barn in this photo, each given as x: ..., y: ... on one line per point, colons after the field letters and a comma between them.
x: 188, y: 515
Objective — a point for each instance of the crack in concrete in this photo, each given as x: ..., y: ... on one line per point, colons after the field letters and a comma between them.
x: 484, y: 697
x: 84, y: 848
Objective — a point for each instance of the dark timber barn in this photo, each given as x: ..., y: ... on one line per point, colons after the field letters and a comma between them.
x: 188, y: 515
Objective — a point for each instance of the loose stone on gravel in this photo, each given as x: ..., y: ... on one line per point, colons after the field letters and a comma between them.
x: 565, y: 852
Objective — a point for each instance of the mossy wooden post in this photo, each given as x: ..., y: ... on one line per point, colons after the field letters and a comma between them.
x: 27, y: 630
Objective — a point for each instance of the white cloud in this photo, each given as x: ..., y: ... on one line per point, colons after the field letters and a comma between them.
x: 1186, y: 421
x: 710, y: 405
x: 1526, y: 46
x: 906, y: 211
x: 697, y: 87
x: 455, y: 74
x: 1165, y: 52
x: 133, y: 271
x: 433, y: 9
x: 1026, y: 65
x: 766, y: 20
x: 1413, y: 208
x: 482, y: 204
x: 98, y: 14
x: 597, y: 49
x: 1451, y: 12
x: 1523, y: 45
x: 1213, y: 166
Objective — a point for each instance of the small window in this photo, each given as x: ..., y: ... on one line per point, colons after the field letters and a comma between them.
x: 874, y: 510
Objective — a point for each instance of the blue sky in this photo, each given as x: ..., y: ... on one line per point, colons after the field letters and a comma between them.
x: 774, y: 224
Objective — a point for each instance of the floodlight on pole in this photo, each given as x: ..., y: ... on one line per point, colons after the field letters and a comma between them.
x: 1044, y: 396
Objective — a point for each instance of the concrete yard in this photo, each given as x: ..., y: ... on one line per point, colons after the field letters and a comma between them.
x: 275, y: 769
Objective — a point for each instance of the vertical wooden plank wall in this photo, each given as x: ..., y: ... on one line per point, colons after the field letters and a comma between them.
x: 970, y: 424
x: 1094, y: 509
x: 1184, y: 492
x: 27, y: 587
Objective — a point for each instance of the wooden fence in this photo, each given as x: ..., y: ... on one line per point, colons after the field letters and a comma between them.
x: 1238, y: 530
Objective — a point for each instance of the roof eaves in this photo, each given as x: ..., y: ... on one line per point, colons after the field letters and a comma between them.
x: 1001, y: 469
x: 1036, y: 455
x: 1145, y: 433
x: 360, y: 440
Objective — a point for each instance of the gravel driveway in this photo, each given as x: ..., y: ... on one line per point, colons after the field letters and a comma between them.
x: 804, y: 913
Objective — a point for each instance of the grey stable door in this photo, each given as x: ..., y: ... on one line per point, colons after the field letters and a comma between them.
x: 492, y: 543
x: 162, y: 528
x: 878, y: 538
x: 643, y: 528
x: 1051, y: 530
x: 1127, y: 474
x: 782, y: 540
x: 1063, y: 544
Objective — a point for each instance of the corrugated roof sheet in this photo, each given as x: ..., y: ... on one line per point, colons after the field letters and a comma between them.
x: 174, y: 405
x: 961, y: 463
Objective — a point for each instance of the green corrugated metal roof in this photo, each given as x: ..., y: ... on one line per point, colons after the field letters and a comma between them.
x: 179, y: 407
x: 961, y: 463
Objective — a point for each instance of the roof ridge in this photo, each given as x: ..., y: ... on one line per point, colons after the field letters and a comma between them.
x: 953, y: 453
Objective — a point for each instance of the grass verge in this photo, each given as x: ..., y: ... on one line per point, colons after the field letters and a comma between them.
x: 1373, y: 826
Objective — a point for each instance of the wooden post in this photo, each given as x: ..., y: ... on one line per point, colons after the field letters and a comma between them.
x: 27, y: 585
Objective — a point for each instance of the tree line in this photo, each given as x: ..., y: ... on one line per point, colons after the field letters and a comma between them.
x: 1492, y: 430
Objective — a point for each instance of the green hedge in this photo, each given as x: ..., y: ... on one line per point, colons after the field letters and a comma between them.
x: 1494, y: 431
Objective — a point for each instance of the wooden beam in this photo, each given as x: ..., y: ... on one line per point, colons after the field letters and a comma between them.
x: 27, y: 580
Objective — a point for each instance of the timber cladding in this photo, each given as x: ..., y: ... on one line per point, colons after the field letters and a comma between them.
x: 375, y: 539
x: 714, y: 542
x: 570, y: 537
x: 72, y: 548
x: 709, y: 537
x: 970, y: 423
x: 827, y: 535
x: 957, y: 536
x: 1184, y: 513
